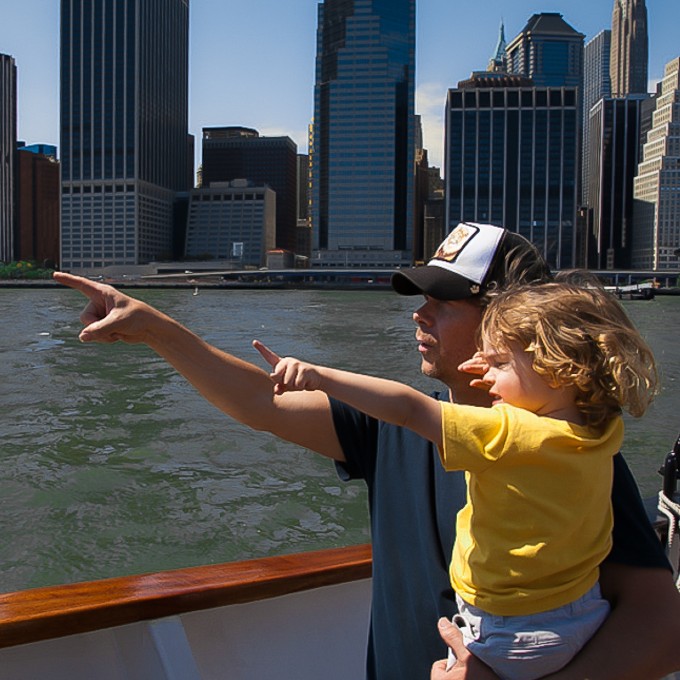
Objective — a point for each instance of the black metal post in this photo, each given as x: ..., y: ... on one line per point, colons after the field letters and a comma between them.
x: 669, y: 470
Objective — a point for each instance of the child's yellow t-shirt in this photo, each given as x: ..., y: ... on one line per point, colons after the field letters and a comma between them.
x: 538, y: 519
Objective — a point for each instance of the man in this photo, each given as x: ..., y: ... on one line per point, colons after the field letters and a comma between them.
x: 412, y: 500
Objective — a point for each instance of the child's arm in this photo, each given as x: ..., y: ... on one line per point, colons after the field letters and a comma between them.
x: 382, y: 399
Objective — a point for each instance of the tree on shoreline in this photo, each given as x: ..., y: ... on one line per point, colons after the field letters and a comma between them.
x: 25, y: 269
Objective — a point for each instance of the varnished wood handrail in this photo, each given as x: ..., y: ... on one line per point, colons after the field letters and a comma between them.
x: 56, y: 611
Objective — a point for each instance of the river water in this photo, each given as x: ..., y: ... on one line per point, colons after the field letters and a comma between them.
x: 111, y: 464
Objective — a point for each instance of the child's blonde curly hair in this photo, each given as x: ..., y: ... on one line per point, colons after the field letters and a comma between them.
x: 578, y: 335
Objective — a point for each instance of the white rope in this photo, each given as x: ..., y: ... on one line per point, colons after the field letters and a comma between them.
x: 671, y: 510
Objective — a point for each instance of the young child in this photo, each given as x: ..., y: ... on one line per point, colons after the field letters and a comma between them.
x: 560, y: 363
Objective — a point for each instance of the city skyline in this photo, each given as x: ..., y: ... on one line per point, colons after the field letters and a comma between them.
x: 254, y: 65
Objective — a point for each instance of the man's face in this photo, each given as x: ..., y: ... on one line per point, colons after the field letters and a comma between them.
x: 446, y: 337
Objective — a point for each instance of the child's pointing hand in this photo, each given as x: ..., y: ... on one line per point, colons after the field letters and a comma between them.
x: 289, y: 374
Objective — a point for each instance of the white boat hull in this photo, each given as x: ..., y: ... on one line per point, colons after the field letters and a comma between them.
x: 314, y: 634
x: 298, y: 617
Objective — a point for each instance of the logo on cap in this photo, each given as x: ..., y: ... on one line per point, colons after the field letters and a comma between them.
x: 453, y: 244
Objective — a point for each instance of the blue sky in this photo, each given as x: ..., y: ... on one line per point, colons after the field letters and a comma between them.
x: 252, y: 63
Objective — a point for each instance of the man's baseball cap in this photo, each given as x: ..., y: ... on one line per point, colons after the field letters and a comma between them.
x: 464, y: 264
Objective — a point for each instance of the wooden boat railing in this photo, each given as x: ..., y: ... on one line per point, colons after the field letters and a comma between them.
x: 58, y: 611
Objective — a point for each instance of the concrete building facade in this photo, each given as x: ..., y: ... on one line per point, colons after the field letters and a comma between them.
x: 234, y: 222
x: 629, y: 48
x: 656, y: 212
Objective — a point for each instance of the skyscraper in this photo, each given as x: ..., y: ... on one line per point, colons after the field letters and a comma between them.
x: 596, y: 85
x: 656, y: 210
x: 124, y: 110
x: 8, y: 144
x: 614, y: 156
x: 363, y: 138
x: 549, y: 51
x: 629, y: 49
x: 512, y: 160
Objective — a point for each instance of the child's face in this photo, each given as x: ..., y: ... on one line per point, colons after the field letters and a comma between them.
x: 511, y: 379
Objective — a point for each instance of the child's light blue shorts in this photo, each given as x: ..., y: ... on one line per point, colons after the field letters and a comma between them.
x: 527, y: 647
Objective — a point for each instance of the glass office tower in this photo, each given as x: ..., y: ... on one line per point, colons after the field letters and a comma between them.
x: 362, y: 146
x: 124, y: 128
x: 614, y: 155
x: 549, y: 51
x: 596, y: 85
x: 511, y: 159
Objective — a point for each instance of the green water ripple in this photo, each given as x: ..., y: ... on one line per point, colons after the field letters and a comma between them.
x: 111, y: 464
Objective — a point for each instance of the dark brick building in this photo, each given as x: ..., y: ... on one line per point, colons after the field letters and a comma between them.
x: 37, y: 208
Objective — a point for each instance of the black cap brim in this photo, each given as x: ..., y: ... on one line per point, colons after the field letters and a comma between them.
x: 433, y: 281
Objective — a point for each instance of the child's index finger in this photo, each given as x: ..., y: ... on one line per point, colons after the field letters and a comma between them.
x: 272, y: 358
